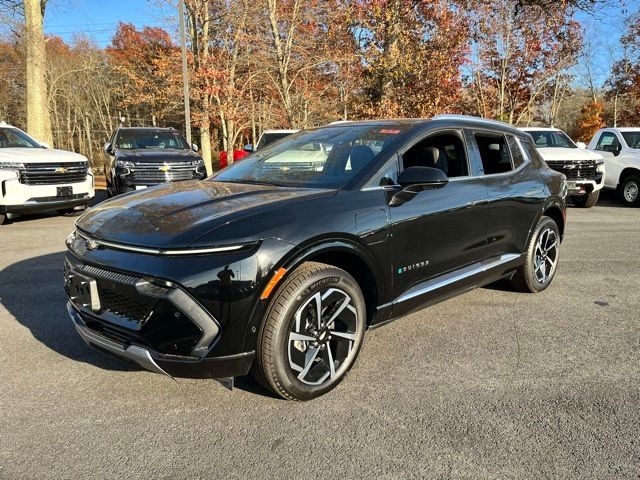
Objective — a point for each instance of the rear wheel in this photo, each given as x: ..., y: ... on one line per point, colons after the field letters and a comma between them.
x: 630, y: 191
x: 541, y: 259
x: 312, y: 333
x: 586, y: 201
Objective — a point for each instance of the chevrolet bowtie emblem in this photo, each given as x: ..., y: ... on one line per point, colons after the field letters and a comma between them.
x: 165, y: 168
x: 61, y: 170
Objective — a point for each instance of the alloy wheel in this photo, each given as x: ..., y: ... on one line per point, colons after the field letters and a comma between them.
x: 322, y: 336
x: 546, y: 256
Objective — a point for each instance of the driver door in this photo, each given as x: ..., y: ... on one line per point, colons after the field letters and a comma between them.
x: 440, y: 231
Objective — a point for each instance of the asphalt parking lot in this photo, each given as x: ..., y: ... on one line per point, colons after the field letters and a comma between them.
x: 492, y: 384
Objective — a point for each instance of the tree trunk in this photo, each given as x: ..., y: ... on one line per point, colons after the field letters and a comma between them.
x: 205, y: 146
x: 38, y: 120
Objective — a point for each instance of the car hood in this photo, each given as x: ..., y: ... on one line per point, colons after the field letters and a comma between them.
x: 39, y: 155
x: 565, y: 154
x: 173, y: 215
x: 159, y: 156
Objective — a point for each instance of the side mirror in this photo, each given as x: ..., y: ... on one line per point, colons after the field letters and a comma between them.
x: 195, y: 147
x: 581, y: 145
x: 248, y: 147
x: 414, y: 180
x: 107, y: 148
x: 45, y: 145
x: 422, y: 178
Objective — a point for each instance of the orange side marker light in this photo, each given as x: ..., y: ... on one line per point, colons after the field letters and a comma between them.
x: 272, y: 283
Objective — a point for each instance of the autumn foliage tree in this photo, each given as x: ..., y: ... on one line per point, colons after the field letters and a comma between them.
x: 520, y: 52
x: 412, y: 53
x: 147, y: 63
x: 589, y: 121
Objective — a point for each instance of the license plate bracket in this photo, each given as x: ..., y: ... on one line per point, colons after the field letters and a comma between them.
x: 83, y: 290
x: 64, y: 191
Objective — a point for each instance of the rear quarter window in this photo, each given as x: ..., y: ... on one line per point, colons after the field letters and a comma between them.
x: 516, y: 153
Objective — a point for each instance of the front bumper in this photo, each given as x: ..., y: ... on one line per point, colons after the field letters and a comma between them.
x: 16, y: 197
x: 158, y: 326
x: 219, y: 367
x: 584, y: 187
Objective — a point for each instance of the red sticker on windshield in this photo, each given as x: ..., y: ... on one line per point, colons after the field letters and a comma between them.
x: 389, y: 130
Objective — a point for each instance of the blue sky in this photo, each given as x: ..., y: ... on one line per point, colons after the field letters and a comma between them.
x: 98, y: 19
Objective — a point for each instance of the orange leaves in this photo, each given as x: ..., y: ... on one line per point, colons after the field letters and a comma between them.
x: 590, y: 120
x: 148, y: 66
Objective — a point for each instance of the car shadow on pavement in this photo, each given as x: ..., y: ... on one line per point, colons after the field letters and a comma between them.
x: 32, y: 291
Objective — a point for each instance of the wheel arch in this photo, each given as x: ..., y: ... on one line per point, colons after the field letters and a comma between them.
x: 352, y: 257
x: 626, y: 172
x: 557, y: 215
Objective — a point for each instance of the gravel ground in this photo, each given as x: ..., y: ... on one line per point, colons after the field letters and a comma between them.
x: 491, y: 384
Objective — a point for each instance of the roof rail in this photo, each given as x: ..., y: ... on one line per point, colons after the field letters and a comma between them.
x: 455, y: 116
x: 338, y: 122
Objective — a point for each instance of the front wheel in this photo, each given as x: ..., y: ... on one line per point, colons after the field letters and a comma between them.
x: 312, y: 332
x: 586, y: 201
x: 541, y: 258
x: 630, y: 191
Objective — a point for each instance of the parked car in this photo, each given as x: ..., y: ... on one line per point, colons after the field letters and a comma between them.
x: 620, y: 148
x: 36, y: 178
x: 267, y: 137
x: 138, y: 157
x: 280, y: 271
x: 584, y: 169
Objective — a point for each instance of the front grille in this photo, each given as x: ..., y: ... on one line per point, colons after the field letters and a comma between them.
x: 53, y: 173
x: 575, y: 169
x: 125, y: 304
x: 154, y: 172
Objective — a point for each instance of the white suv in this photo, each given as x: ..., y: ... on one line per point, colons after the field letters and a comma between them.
x: 35, y: 178
x: 584, y: 170
x: 620, y: 148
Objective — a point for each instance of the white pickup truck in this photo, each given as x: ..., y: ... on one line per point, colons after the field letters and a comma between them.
x: 620, y: 148
x: 35, y: 178
x: 584, y: 170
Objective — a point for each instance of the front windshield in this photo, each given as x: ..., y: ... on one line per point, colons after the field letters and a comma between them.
x: 14, y: 138
x: 551, y: 138
x: 325, y: 158
x: 632, y: 138
x: 138, y: 139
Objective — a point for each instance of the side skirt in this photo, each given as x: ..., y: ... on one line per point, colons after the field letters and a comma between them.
x: 449, y: 285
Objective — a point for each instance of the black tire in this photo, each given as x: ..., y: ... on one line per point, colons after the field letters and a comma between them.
x: 586, y: 201
x: 630, y: 191
x: 296, y: 298
x: 528, y: 276
x: 71, y: 212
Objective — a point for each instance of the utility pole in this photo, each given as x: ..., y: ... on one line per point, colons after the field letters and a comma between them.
x: 185, y: 73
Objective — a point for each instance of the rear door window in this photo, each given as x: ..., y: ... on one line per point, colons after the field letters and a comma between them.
x: 494, y: 153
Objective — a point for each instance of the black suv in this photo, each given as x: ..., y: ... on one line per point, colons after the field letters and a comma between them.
x: 278, y: 264
x: 137, y: 157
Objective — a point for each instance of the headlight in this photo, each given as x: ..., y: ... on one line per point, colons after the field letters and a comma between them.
x: 11, y: 165
x: 198, y: 163
x: 600, y: 165
x: 124, y: 163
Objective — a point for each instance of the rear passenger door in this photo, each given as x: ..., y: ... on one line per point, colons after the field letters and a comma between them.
x: 514, y: 190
